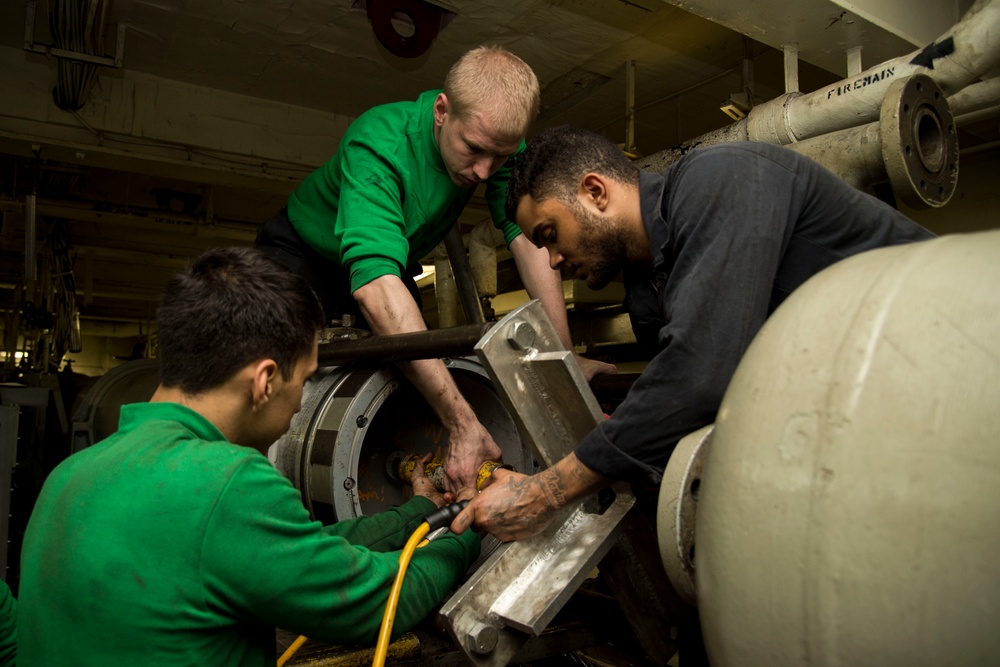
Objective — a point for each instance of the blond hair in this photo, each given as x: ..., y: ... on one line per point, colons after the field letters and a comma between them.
x: 493, y: 81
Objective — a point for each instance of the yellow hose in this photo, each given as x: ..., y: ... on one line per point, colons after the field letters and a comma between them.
x: 382, y: 647
x: 290, y: 651
x: 438, y: 519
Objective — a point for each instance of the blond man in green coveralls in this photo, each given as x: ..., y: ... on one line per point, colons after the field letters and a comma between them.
x: 399, y: 181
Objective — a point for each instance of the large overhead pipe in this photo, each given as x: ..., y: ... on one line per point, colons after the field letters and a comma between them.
x: 959, y: 57
x: 975, y: 98
x: 914, y: 142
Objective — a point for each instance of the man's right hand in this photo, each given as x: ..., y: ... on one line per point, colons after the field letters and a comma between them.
x: 390, y: 309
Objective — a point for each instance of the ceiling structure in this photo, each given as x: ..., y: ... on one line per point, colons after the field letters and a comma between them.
x: 219, y: 107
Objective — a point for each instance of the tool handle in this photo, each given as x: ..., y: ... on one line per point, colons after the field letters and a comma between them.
x: 444, y: 516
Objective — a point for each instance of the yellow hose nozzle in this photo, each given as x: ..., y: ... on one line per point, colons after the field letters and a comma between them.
x: 401, y: 467
x: 484, y: 473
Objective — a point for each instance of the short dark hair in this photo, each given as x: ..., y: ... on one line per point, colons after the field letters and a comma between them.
x: 554, y: 162
x: 229, y: 308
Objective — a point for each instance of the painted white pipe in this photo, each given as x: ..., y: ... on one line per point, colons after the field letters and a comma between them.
x: 982, y: 95
x: 855, y: 154
x: 913, y: 143
x: 959, y: 57
x: 791, y: 68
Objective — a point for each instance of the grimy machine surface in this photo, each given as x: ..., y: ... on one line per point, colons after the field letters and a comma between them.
x: 358, y: 412
x: 532, y: 397
x: 845, y: 506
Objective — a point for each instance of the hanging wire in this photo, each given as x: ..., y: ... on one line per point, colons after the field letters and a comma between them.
x: 65, y: 337
x: 78, y: 26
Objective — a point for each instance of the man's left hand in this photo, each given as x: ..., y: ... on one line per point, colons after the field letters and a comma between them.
x: 592, y: 367
x: 422, y: 484
x: 511, y: 507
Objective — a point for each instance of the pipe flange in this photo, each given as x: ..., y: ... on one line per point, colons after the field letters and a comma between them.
x: 919, y: 142
x: 676, y: 509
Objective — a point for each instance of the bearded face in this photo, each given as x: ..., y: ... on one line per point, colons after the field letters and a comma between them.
x: 601, y: 248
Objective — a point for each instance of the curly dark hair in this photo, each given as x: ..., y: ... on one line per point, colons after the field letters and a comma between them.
x: 229, y: 308
x: 554, y: 162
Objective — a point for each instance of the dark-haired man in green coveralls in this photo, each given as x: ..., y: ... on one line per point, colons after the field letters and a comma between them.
x: 176, y: 542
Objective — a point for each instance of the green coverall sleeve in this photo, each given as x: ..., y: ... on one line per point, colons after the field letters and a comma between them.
x: 8, y: 626
x: 370, y: 220
x: 265, y: 561
x: 386, y: 531
x: 496, y: 197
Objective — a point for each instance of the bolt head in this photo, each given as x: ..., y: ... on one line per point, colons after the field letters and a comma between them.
x: 521, y: 336
x: 483, y: 640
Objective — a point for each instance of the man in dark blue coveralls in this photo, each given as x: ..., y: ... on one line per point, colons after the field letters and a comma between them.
x: 709, y: 249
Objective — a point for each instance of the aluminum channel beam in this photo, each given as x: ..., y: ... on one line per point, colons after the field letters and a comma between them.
x: 521, y: 587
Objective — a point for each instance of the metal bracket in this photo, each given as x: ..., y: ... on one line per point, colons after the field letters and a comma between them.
x: 521, y: 587
x: 46, y: 50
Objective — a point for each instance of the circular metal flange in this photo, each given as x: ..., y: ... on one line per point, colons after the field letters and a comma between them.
x: 676, y: 509
x: 353, y: 420
x: 919, y: 142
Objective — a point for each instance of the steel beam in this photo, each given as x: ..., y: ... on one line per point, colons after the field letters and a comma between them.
x: 451, y: 342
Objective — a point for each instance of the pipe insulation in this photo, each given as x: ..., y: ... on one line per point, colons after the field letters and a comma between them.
x: 445, y: 289
x: 956, y: 59
x: 483, y: 242
x: 455, y: 246
x: 959, y: 57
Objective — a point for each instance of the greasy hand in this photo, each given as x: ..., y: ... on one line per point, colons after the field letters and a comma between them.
x: 468, y: 448
x: 422, y: 484
x: 592, y: 367
x: 511, y: 507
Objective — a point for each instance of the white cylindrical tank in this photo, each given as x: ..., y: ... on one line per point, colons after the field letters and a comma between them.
x: 849, y: 509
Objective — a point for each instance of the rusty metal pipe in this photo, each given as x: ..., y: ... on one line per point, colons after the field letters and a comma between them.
x: 436, y: 344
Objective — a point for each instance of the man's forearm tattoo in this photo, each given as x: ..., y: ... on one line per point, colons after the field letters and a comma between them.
x: 552, y: 485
